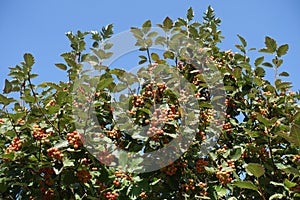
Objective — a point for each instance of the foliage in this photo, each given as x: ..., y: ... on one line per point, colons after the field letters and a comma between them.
x: 43, y: 155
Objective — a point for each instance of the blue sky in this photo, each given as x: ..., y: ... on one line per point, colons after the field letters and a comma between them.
x: 39, y: 27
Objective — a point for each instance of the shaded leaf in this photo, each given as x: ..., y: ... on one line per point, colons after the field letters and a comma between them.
x: 29, y: 59
x: 7, y: 87
x: 190, y: 14
x: 61, y: 66
x: 154, y: 56
x: 267, y: 64
x: 284, y: 74
x: 146, y: 26
x: 282, y: 50
x: 270, y: 44
x: 259, y: 60
x: 5, y: 101
x: 168, y: 23
x: 242, y: 40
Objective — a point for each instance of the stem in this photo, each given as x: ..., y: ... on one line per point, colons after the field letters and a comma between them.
x: 12, y: 122
x: 149, y: 57
x: 40, y: 150
x: 38, y: 105
x: 260, y: 190
x: 275, y: 72
x: 59, y: 186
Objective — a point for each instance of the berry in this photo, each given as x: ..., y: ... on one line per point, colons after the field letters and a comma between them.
x: 84, y: 175
x: 74, y: 139
x: 14, y: 146
x: 55, y: 153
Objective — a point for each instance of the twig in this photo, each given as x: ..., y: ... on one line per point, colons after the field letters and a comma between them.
x: 38, y: 105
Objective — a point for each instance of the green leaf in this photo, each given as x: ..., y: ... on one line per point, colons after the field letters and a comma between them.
x: 294, y: 136
x: 264, y: 120
x: 104, y: 83
x: 289, y: 184
x: 5, y: 101
x: 7, y: 87
x: 108, y: 46
x: 237, y: 152
x: 284, y: 74
x: 267, y: 64
x: 152, y: 34
x: 137, y: 33
x: 246, y: 185
x: 282, y: 50
x: 3, y: 187
x: 29, y: 59
x: 29, y: 99
x: 270, y: 44
x: 255, y: 169
x: 168, y: 54
x: 240, y: 48
x: 61, y: 66
x: 276, y: 196
x: 155, y: 181
x: 288, y: 169
x: 154, y: 57
x: 68, y: 163
x: 107, y: 31
x: 277, y: 62
x: 168, y: 23
x: 190, y: 14
x: 146, y: 26
x: 265, y: 50
x: 242, y: 40
x: 221, y: 191
x: 259, y: 71
x: 259, y: 60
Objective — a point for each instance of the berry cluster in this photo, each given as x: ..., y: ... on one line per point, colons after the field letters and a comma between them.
x: 202, y: 135
x: 83, y: 175
x: 223, y: 176
x: 48, y: 195
x: 55, y: 153
x: 74, y: 139
x: 46, y: 173
x: 14, y: 146
x: 111, y: 195
x: 122, y: 175
x: 101, y: 186
x: 40, y: 134
x: 222, y: 149
x: 114, y: 134
x: 227, y: 127
x: 105, y: 157
x: 203, y: 186
x: 200, y: 165
x: 143, y: 195
x: 231, y: 164
x: 158, y: 118
x: 1, y: 121
x: 190, y: 185
x: 170, y: 169
x: 154, y: 90
x: 20, y: 121
x: 50, y: 103
x: 296, y: 158
x: 137, y: 100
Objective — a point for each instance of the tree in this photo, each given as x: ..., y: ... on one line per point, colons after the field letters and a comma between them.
x: 236, y: 140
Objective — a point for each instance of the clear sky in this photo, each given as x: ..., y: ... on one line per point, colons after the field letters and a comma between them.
x: 39, y: 27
